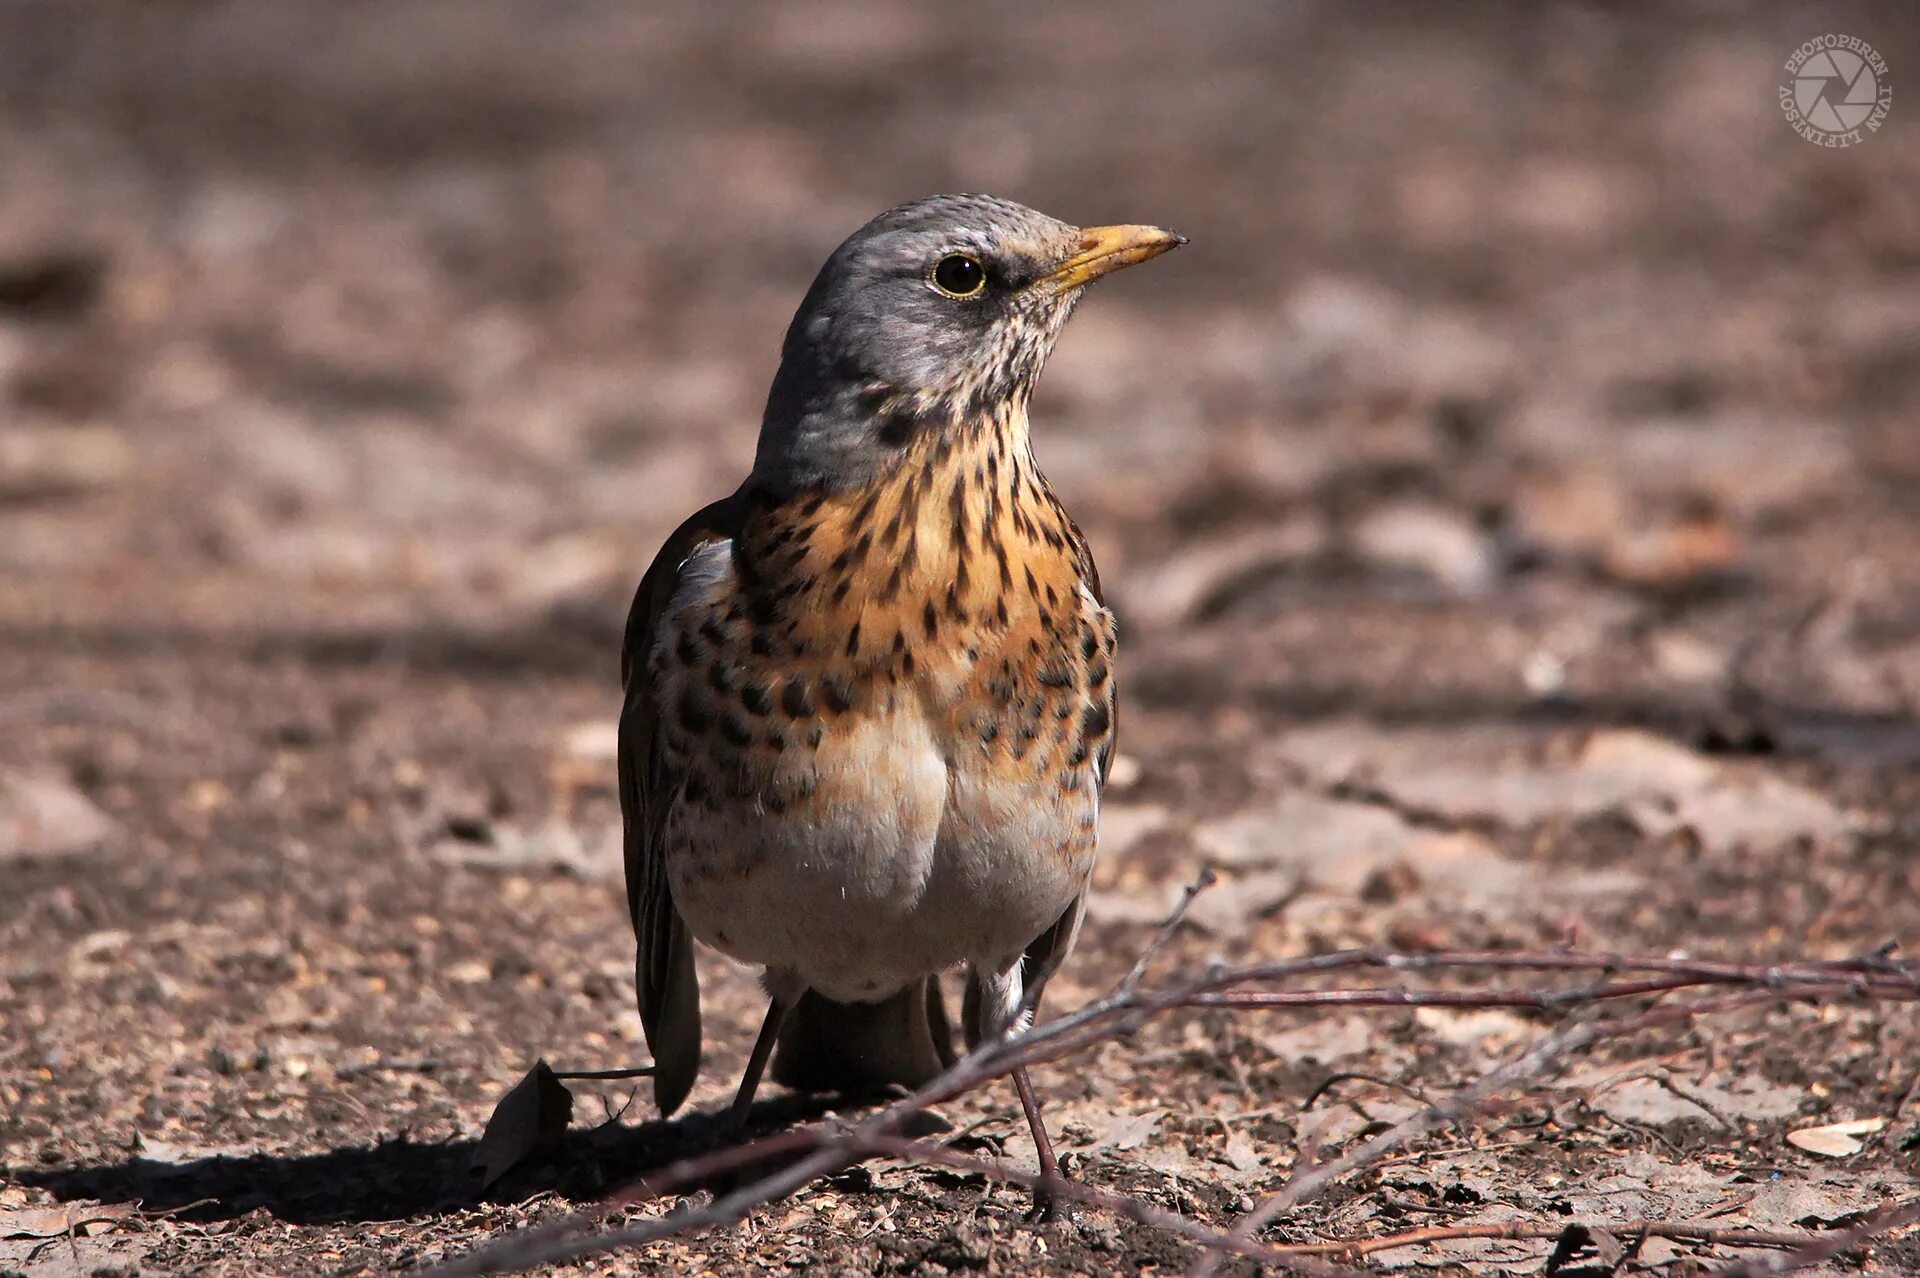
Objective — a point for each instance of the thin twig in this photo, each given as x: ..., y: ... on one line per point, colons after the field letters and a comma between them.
x: 1534, y: 1061
x: 1521, y: 1230
x: 1129, y: 1006
x: 1131, y: 981
x: 1543, y: 1000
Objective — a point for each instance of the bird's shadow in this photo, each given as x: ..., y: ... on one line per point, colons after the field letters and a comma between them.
x: 399, y: 1177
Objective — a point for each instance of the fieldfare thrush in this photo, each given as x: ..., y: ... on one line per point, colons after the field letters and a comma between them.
x: 870, y: 696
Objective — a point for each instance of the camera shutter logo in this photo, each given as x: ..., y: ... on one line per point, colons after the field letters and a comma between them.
x: 1836, y: 90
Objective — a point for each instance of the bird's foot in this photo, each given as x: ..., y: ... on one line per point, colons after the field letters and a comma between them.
x: 1050, y: 1209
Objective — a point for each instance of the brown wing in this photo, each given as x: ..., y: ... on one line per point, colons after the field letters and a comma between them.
x: 668, y: 987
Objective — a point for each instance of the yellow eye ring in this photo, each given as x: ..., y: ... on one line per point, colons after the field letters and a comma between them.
x: 958, y: 275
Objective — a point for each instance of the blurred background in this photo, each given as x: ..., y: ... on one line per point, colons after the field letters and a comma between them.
x: 1528, y: 382
x: 319, y: 318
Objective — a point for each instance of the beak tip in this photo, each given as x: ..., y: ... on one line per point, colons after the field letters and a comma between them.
x: 1106, y: 249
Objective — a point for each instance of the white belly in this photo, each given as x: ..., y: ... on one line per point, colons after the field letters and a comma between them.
x: 899, y: 866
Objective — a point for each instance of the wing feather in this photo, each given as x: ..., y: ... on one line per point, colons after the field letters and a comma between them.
x: 664, y: 976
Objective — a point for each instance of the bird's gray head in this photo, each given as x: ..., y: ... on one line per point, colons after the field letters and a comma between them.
x: 934, y: 315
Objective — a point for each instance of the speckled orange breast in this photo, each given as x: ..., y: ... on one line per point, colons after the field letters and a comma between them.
x: 881, y: 696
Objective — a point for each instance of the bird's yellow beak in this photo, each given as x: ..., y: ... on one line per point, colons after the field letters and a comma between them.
x: 1106, y: 249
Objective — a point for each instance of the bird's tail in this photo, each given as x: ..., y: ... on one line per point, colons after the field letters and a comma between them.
x: 850, y: 1047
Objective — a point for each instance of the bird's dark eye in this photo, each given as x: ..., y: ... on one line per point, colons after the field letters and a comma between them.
x: 958, y: 275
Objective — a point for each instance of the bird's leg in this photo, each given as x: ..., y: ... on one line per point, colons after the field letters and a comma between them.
x: 1046, y: 1205
x: 996, y: 1006
x: 757, y: 1063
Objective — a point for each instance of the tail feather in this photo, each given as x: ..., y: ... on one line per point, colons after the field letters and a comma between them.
x: 849, y: 1047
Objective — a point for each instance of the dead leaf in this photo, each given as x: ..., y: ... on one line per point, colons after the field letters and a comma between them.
x: 1130, y: 1131
x: 529, y: 1120
x: 1439, y: 543
x: 1183, y: 585
x: 178, y: 1154
x: 551, y: 844
x: 1483, y: 1030
x: 37, y: 463
x: 1324, y: 838
x: 1320, y: 1040
x: 1659, y: 1101
x: 1514, y: 778
x: 1835, y: 1140
x: 1656, y: 1253
x: 1241, y: 1155
x: 43, y: 816
x: 59, y: 1222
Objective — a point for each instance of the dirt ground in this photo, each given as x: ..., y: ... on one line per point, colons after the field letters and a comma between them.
x: 1508, y: 498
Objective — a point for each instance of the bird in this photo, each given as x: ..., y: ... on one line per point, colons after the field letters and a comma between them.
x: 870, y: 695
